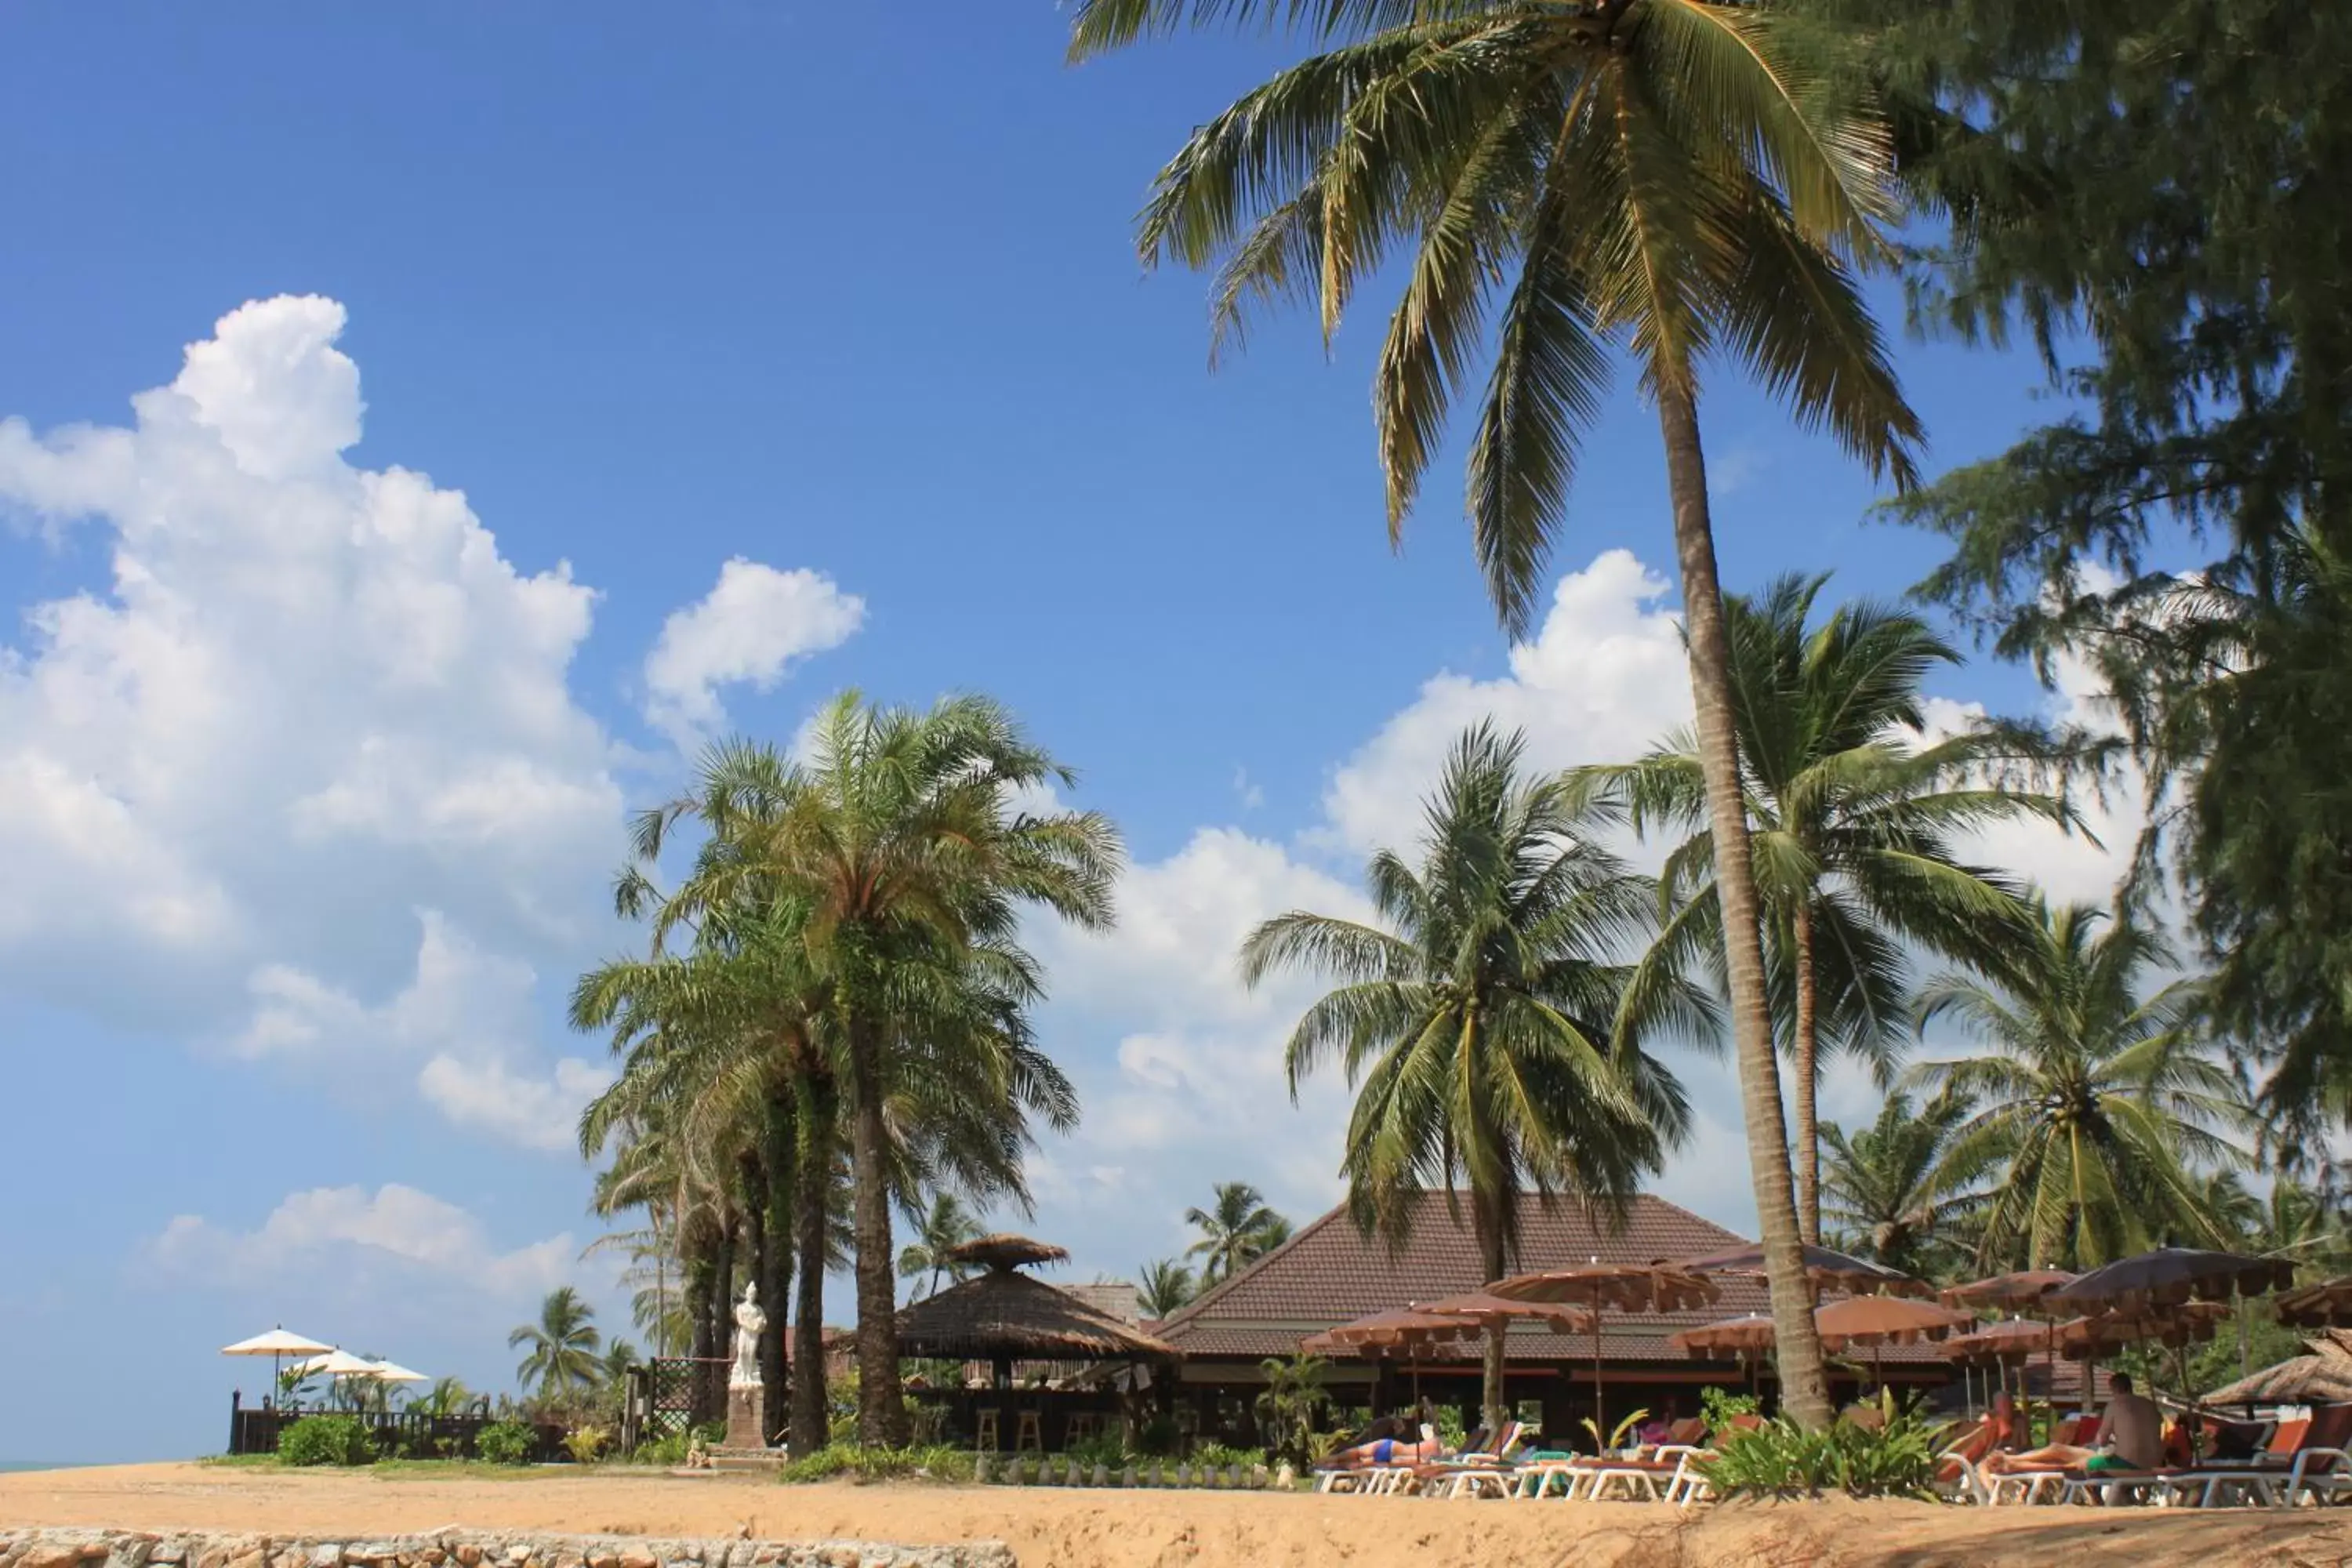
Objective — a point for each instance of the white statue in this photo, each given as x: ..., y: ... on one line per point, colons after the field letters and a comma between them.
x: 749, y: 1321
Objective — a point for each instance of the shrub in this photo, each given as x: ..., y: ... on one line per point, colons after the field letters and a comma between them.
x: 938, y: 1463
x: 1718, y: 1405
x: 327, y: 1440
x: 1156, y: 1438
x: 586, y: 1442
x: 503, y: 1443
x: 668, y: 1450
x: 1107, y: 1449
x: 1217, y: 1456
x: 1780, y: 1460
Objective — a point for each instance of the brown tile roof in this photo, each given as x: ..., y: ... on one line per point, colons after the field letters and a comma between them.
x: 1329, y: 1273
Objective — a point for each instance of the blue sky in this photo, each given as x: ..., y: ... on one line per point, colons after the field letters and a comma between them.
x: 311, y: 770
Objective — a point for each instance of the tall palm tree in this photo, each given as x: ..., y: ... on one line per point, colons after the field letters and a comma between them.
x: 1482, y: 1023
x: 1236, y: 1229
x: 1679, y: 177
x: 2100, y: 1100
x: 1167, y: 1285
x: 563, y: 1344
x: 902, y: 841
x: 1855, y: 821
x: 940, y: 1229
x: 447, y: 1396
x: 1890, y: 1193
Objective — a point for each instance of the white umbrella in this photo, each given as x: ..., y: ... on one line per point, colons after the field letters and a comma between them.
x: 277, y: 1344
x: 393, y: 1372
x: 336, y: 1363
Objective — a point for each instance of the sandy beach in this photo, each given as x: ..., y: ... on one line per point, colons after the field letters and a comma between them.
x: 1056, y: 1529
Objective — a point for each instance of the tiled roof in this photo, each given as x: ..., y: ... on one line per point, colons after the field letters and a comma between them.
x: 1329, y: 1273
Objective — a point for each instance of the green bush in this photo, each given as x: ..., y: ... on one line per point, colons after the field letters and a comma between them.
x: 503, y: 1443
x: 327, y: 1440
x: 1108, y: 1448
x: 1780, y: 1460
x: 1156, y: 1438
x: 938, y: 1463
x: 1720, y: 1404
x: 1217, y: 1456
x: 587, y: 1443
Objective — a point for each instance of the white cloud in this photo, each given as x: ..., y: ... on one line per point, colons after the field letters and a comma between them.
x: 365, y: 1240
x: 538, y: 1112
x: 312, y: 706
x: 1604, y: 679
x: 751, y: 625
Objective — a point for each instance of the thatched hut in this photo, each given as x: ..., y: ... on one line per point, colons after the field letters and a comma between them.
x: 1002, y: 1316
x: 2298, y: 1380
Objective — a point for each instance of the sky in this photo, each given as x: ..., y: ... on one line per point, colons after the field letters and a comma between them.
x: 423, y: 428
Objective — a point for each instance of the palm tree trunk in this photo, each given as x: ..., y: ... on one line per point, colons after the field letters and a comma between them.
x: 1803, y: 1389
x: 723, y: 1314
x: 776, y: 1279
x: 1490, y: 1258
x: 881, y: 1408
x: 809, y: 1407
x: 1807, y: 1066
x: 701, y: 1336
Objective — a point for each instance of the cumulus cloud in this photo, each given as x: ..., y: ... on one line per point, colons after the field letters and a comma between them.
x: 1603, y: 681
x: 394, y: 1236
x: 312, y: 696
x: 750, y: 627
x: 488, y: 1095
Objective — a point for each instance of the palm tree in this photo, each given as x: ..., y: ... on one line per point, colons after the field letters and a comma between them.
x: 563, y: 1347
x: 1483, y: 1022
x: 901, y: 843
x: 2100, y: 1100
x: 1167, y: 1285
x: 1853, y: 820
x: 1890, y: 1192
x: 940, y: 1229
x: 1676, y: 176
x: 1236, y: 1229
x: 447, y: 1396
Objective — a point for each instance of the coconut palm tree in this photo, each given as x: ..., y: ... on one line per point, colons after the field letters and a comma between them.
x: 1687, y: 179
x: 447, y: 1396
x: 1856, y: 821
x: 1167, y: 1284
x: 1236, y: 1229
x: 1482, y: 1023
x: 901, y: 841
x: 2100, y: 1100
x: 940, y: 1229
x: 563, y: 1345
x: 1890, y: 1194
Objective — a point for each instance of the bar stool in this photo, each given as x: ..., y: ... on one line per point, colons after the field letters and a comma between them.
x: 984, y: 1436
x: 1030, y: 1436
x: 1082, y: 1429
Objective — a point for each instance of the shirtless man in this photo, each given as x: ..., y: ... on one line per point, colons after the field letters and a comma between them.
x: 2133, y: 1427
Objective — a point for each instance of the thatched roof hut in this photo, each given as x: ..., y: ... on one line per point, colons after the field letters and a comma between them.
x: 1002, y: 1315
x: 2298, y: 1380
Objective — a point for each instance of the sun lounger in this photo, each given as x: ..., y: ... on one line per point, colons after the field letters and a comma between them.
x: 1368, y: 1479
x: 1440, y: 1477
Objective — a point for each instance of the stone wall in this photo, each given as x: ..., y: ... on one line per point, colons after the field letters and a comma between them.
x: 31, y: 1548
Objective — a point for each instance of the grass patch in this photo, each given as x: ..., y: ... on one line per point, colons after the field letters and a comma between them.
x: 242, y: 1462
x: 940, y: 1462
x: 470, y: 1470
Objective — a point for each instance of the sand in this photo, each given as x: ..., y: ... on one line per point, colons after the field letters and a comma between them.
x: 1050, y: 1528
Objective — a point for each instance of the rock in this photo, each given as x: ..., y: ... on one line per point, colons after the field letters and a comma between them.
x: 469, y: 1555
x: 50, y: 1555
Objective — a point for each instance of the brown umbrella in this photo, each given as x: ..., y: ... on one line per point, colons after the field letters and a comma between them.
x: 2020, y: 1292
x: 2013, y: 1340
x: 2184, y: 1323
x: 1742, y: 1336
x: 2014, y: 1292
x: 1828, y: 1269
x: 2171, y: 1275
x: 1873, y: 1321
x: 1618, y: 1287
x: 2328, y: 1304
x: 1405, y: 1327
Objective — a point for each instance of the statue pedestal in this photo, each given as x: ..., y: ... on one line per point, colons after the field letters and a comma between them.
x: 747, y: 1417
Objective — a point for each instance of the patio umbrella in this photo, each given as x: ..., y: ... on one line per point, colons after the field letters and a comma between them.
x: 2169, y: 1276
x: 1496, y: 1314
x: 1618, y: 1287
x: 2325, y: 1305
x: 2021, y: 1292
x: 1875, y: 1322
x: 1827, y: 1268
x: 1413, y: 1328
x: 393, y: 1372
x: 277, y: 1344
x: 1747, y: 1338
